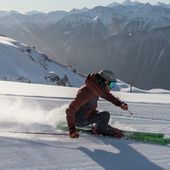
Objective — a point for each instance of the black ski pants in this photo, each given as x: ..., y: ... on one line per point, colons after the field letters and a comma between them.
x: 100, y: 119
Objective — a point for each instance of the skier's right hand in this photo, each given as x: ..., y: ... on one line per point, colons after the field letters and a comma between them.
x: 124, y: 106
x: 73, y: 133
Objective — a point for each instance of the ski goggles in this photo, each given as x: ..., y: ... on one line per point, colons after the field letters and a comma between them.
x: 112, y: 84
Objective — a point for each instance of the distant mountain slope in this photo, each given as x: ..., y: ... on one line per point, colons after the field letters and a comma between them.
x: 22, y: 63
x: 132, y: 39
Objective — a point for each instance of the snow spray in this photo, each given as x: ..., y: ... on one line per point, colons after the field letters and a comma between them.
x: 19, y: 114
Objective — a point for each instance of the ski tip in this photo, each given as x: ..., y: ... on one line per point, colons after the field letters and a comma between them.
x: 167, y: 141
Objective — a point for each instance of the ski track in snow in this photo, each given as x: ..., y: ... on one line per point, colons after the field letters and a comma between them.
x: 48, y: 152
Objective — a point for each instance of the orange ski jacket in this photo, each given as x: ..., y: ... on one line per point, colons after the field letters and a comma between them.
x: 88, y: 92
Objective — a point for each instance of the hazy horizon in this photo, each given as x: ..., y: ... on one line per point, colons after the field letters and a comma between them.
x: 52, y: 5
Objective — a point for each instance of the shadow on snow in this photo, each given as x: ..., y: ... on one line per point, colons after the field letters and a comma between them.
x: 127, y: 158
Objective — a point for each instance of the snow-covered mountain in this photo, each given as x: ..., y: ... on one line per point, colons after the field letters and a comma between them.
x: 124, y: 3
x: 34, y: 12
x: 74, y: 10
x: 131, y: 39
x: 163, y: 4
x: 23, y: 63
x: 6, y: 13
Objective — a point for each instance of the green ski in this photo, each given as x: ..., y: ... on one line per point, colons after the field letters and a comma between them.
x: 161, y: 141
x: 156, y: 138
x: 144, y: 134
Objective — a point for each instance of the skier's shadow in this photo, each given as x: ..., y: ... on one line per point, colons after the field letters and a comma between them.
x: 126, y: 159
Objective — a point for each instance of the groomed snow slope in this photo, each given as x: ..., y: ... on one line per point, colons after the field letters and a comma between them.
x: 28, y: 107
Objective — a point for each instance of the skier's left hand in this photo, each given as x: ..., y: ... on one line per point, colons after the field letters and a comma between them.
x: 124, y: 106
x: 73, y: 134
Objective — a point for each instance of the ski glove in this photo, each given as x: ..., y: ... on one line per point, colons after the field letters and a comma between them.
x: 73, y: 134
x: 124, y: 106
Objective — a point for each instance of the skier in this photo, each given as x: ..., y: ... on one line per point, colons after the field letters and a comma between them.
x: 82, y: 110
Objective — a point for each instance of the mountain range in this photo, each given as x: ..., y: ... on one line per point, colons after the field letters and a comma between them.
x: 132, y: 39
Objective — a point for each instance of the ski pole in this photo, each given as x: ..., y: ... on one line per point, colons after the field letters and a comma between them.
x: 133, y: 113
x: 130, y: 112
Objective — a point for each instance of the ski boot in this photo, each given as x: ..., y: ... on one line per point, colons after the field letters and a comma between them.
x: 111, y: 131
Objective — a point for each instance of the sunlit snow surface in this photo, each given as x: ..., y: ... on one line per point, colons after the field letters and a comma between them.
x: 38, y: 109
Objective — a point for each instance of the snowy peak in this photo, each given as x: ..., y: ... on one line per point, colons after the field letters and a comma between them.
x: 6, y: 13
x: 114, y: 4
x: 3, y: 13
x: 129, y: 16
x: 163, y: 5
x: 126, y: 3
x: 74, y: 10
x: 130, y: 3
x: 34, y: 12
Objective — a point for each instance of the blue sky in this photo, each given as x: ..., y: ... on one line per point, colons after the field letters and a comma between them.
x: 51, y: 5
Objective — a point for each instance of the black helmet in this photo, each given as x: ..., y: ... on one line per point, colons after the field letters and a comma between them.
x: 107, y: 75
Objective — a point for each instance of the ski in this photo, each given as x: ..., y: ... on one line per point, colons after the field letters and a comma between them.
x: 155, y: 140
x: 144, y: 134
x: 147, y: 137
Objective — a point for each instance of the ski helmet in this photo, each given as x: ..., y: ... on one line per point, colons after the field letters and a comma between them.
x: 107, y: 75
